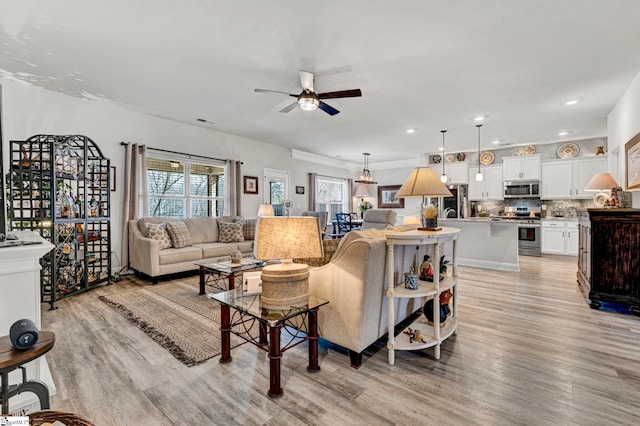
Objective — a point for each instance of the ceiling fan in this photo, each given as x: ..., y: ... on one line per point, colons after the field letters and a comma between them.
x: 309, y: 100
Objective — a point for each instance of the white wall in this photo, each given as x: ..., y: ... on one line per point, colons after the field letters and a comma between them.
x: 623, y: 123
x: 28, y: 111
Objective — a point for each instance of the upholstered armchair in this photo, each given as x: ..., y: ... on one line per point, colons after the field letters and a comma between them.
x: 322, y: 218
x: 378, y: 218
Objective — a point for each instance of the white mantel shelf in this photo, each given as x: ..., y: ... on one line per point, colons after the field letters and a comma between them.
x: 20, y: 299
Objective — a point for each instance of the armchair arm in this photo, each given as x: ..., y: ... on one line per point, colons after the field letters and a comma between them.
x: 144, y: 252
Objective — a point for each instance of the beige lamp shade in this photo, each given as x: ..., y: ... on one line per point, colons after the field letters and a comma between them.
x: 362, y: 191
x: 265, y: 210
x: 286, y: 284
x: 423, y: 182
x: 601, y: 182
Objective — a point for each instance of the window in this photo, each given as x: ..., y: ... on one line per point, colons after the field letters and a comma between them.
x: 331, y: 196
x: 185, y: 188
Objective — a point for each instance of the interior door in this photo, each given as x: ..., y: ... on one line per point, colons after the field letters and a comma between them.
x: 276, y: 184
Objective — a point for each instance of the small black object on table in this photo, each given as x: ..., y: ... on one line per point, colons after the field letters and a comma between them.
x: 12, y: 359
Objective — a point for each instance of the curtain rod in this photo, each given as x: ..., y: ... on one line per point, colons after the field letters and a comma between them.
x: 332, y: 177
x: 182, y: 153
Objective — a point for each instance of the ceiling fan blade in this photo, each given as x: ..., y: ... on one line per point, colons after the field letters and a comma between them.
x: 328, y: 108
x: 289, y: 107
x: 273, y: 91
x: 306, y: 80
x: 354, y: 93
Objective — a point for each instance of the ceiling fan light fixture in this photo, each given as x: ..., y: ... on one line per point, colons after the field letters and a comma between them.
x: 365, y: 176
x: 308, y: 102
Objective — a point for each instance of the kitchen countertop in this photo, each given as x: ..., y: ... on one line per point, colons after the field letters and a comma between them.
x: 492, y: 220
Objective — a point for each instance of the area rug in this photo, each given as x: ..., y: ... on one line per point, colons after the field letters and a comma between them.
x: 175, y: 317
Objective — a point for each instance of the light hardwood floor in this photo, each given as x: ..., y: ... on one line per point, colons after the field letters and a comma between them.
x: 529, y: 351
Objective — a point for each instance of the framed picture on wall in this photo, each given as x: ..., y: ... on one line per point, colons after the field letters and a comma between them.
x: 387, y: 197
x: 250, y: 185
x: 299, y: 189
x: 632, y: 157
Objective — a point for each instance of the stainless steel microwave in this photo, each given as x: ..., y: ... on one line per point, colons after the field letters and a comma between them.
x: 522, y: 189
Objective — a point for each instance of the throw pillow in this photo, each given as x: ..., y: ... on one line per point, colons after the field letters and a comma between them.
x: 249, y: 229
x: 158, y: 231
x: 230, y: 232
x: 179, y: 234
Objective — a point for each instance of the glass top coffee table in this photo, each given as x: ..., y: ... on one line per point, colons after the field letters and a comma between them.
x: 248, y: 309
x: 220, y: 269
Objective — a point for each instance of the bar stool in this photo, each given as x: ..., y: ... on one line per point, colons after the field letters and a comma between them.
x: 12, y: 359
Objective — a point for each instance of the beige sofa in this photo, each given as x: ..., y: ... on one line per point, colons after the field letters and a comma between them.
x: 147, y: 257
x: 354, y: 282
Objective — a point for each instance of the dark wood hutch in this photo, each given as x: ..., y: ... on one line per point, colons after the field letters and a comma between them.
x: 609, y: 256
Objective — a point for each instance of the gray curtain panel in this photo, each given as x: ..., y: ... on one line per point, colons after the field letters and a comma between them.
x: 232, y: 196
x: 136, y: 200
x: 350, y: 195
x: 313, y: 187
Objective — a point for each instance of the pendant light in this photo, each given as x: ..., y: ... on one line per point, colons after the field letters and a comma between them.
x: 365, y: 177
x: 479, y: 176
x: 443, y: 178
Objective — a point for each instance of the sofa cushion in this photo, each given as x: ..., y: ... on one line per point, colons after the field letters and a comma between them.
x: 245, y: 246
x: 229, y: 232
x: 202, y: 229
x: 249, y: 229
x: 215, y: 249
x: 179, y: 234
x: 179, y: 255
x: 158, y: 231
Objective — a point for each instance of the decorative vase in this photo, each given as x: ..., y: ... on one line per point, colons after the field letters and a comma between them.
x: 410, y: 281
x: 236, y: 257
x: 600, y: 150
x: 461, y: 156
x: 430, y: 223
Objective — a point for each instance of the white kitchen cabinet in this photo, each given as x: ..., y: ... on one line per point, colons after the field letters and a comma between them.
x: 572, y: 238
x: 490, y: 188
x: 559, y: 237
x: 457, y: 173
x: 566, y: 179
x: 521, y: 168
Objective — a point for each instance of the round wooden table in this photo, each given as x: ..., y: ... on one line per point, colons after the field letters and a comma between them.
x: 12, y: 359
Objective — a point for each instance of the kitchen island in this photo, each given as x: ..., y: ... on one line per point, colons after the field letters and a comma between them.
x: 486, y: 243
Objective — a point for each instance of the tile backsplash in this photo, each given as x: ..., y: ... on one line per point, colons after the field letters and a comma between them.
x: 550, y: 208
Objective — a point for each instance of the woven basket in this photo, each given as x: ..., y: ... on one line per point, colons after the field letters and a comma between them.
x: 50, y: 416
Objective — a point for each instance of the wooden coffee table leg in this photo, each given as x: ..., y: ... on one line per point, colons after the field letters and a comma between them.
x: 312, y: 337
x: 232, y: 280
x: 275, y: 391
x: 263, y: 333
x: 225, y: 333
x: 201, y: 280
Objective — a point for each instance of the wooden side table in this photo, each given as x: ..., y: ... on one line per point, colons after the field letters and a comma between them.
x: 12, y: 359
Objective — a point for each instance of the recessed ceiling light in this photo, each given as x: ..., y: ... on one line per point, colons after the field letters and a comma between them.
x: 571, y: 102
x: 410, y: 131
x: 496, y: 142
x: 441, y: 149
x: 563, y: 133
x: 479, y: 118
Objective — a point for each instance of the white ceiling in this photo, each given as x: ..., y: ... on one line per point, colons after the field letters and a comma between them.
x: 428, y: 65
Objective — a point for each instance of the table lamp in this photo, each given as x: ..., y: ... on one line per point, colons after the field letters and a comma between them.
x: 362, y: 191
x: 265, y: 210
x: 600, y: 183
x: 423, y: 182
x: 286, y: 284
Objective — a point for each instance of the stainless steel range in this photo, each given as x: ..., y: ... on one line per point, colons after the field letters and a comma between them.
x: 529, y: 231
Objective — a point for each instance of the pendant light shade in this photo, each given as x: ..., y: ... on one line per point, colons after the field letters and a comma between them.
x: 443, y: 178
x: 365, y: 177
x: 479, y: 176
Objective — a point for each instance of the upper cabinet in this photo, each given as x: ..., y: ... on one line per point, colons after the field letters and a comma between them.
x: 457, y: 173
x: 567, y: 178
x: 521, y: 168
x: 490, y: 188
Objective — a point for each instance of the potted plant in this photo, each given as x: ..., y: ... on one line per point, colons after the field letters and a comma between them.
x: 364, y: 206
x: 430, y: 217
